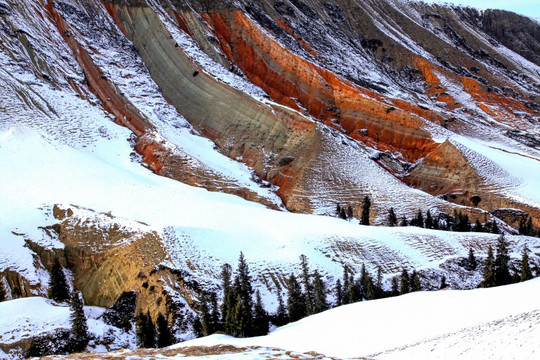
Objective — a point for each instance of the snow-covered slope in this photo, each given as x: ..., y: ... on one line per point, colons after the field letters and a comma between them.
x: 496, y: 323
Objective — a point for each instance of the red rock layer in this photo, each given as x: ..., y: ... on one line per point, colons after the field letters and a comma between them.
x: 386, y: 124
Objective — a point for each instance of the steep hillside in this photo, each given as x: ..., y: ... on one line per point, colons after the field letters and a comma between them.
x: 145, y: 143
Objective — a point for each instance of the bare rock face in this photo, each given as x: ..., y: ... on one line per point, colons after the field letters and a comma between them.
x: 110, y: 256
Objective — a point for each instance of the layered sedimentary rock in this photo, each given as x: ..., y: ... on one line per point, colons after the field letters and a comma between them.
x: 109, y: 256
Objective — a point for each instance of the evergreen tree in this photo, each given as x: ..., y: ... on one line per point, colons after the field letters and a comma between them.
x: 338, y: 210
x: 471, y: 260
x: 238, y: 321
x: 260, y: 317
x: 418, y: 220
x: 214, y: 313
x: 405, y: 282
x: 58, y: 287
x: 308, y: 286
x: 378, y: 291
x: 281, y: 317
x: 296, y: 305
x: 478, y: 226
x: 242, y: 324
x: 226, y: 285
x: 366, y: 283
x: 79, y: 326
x: 526, y: 273
x: 347, y: 296
x: 320, y: 302
x: 495, y: 228
x: 349, y: 212
x: 164, y: 336
x: 403, y: 221
x: 392, y: 218
x: 356, y: 290
x: 366, y: 205
x: 151, y: 331
x: 196, y: 326
x: 502, y: 271
x: 395, y: 289
x: 339, y: 293
x: 206, y: 318
x: 488, y: 271
x: 2, y: 290
x: 443, y: 283
x: 462, y: 222
x: 415, y: 282
x: 429, y: 221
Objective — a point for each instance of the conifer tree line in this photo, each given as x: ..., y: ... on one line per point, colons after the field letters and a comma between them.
x: 459, y: 222
x: 496, y: 270
x: 346, y: 212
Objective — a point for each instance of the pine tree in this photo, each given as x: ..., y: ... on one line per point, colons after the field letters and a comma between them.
x: 146, y: 332
x: 2, y: 290
x: 403, y: 221
x: 526, y: 273
x: 214, y: 313
x: 395, y: 289
x: 418, y: 220
x: 58, y: 287
x: 206, y: 318
x: 443, y: 283
x: 196, y: 327
x: 260, y: 317
x: 339, y: 293
x: 79, y: 326
x: 242, y: 319
x: 495, y: 228
x: 366, y: 205
x: 429, y: 221
x: 356, y: 290
x: 338, y: 210
x: 478, y: 226
x: 349, y: 212
x: 240, y: 315
x: 281, y: 317
x: 489, y: 271
x: 164, y: 336
x: 151, y: 331
x: 378, y: 291
x: 471, y: 260
x: 308, y: 286
x: 226, y: 285
x: 366, y: 283
x: 415, y: 282
x: 405, y: 282
x: 320, y: 302
x: 502, y: 271
x: 296, y: 305
x: 346, y: 287
x: 392, y: 218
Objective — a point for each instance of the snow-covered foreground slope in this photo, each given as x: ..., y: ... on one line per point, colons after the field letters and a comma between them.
x: 496, y: 323
x: 27, y: 318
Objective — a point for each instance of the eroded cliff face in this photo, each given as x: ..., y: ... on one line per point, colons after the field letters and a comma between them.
x: 397, y: 78
x: 109, y: 256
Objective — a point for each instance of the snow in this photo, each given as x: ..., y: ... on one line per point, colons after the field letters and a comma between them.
x: 495, y: 323
x: 31, y: 317
x: 26, y: 317
x: 504, y: 167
